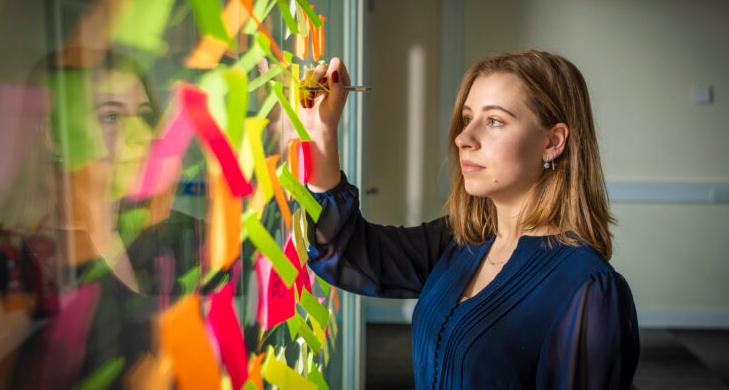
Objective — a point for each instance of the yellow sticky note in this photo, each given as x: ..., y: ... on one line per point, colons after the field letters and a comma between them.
x: 299, y: 192
x: 260, y: 238
x: 283, y: 206
x: 254, y: 131
x: 283, y: 376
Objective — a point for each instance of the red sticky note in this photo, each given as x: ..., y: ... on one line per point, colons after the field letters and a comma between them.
x: 304, y: 163
x: 276, y: 303
x: 194, y: 105
x: 302, y: 278
x: 228, y: 333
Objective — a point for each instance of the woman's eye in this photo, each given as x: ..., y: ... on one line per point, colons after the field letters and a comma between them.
x: 493, y: 122
x: 466, y: 120
x: 109, y: 118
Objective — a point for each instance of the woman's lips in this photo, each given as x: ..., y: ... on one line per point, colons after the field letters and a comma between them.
x: 468, y: 166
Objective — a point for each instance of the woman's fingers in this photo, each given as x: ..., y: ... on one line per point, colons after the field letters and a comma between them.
x: 338, y: 78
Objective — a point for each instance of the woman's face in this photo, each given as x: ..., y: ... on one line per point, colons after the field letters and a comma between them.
x: 125, y: 118
x: 502, y: 144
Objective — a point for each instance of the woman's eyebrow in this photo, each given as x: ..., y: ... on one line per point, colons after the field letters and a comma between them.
x: 497, y: 107
x: 112, y: 103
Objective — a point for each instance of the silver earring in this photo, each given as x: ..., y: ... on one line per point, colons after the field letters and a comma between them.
x: 549, y: 164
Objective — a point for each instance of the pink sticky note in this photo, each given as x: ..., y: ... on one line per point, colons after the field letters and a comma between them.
x: 163, y: 164
x: 228, y: 334
x: 302, y: 278
x: 194, y: 103
x: 276, y: 303
x: 304, y: 165
x: 65, y: 338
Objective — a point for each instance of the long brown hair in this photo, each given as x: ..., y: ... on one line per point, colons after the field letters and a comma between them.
x: 572, y: 197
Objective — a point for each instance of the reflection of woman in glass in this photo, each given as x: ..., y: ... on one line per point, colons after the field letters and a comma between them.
x: 118, y: 260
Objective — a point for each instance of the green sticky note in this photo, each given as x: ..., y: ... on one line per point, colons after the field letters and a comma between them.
x: 75, y: 131
x: 215, y: 85
x: 141, y: 24
x: 249, y: 60
x: 103, y: 377
x: 258, y: 235
x: 317, y: 378
x: 299, y: 192
x: 293, y: 116
x: 325, y: 287
x: 189, y: 280
x: 237, y: 105
x: 314, y: 308
x: 303, y: 330
x: 209, y: 17
x: 309, y: 12
x: 272, y: 72
x: 94, y: 271
x: 131, y: 223
x: 283, y: 8
x: 267, y: 105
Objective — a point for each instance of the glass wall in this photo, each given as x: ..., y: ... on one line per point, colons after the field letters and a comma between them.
x: 152, y: 199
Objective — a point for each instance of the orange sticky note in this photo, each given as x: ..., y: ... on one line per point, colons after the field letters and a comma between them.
x: 254, y: 370
x: 293, y: 155
x: 317, y: 38
x: 248, y: 5
x: 209, y: 51
x: 184, y: 340
x: 225, y: 211
x: 283, y: 206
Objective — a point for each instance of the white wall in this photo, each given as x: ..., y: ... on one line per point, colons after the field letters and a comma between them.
x: 641, y: 60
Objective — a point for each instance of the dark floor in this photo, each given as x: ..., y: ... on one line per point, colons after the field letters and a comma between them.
x: 670, y: 359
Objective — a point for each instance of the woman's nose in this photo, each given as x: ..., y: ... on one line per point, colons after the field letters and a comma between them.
x: 465, y: 140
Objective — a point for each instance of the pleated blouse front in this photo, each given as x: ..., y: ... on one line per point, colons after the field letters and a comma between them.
x: 555, y: 316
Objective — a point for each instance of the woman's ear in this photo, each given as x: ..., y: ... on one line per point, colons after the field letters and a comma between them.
x: 555, y: 141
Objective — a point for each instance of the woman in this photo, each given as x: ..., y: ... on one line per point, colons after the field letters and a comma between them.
x: 513, y: 285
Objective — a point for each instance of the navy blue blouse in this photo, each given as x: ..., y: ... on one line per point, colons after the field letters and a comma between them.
x: 554, y: 317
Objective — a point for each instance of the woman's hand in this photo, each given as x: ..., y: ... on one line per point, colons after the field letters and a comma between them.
x: 320, y: 113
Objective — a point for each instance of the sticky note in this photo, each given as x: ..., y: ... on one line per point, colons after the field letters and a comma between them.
x: 225, y: 211
x: 184, y: 339
x: 314, y: 308
x: 263, y: 241
x: 66, y: 336
x: 267, y: 105
x: 162, y: 167
x: 299, y: 192
x: 227, y: 329
x: 254, y: 371
x: 297, y: 235
x: 293, y: 117
x: 283, y: 205
x: 317, y: 38
x: 283, y: 376
x: 276, y: 302
x: 249, y: 60
x: 141, y: 24
x: 236, y: 105
x: 261, y: 80
x: 306, y: 7
x: 75, y: 133
x: 285, y: 12
x: 208, y: 15
x: 104, y: 376
x: 254, y: 133
x: 297, y: 326
x: 293, y: 155
x: 194, y: 102
x: 302, y: 278
x: 304, y: 166
x: 151, y: 372
x: 210, y: 50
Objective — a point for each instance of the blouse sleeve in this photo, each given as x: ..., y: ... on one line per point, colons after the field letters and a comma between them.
x: 595, y: 345
x: 369, y: 259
